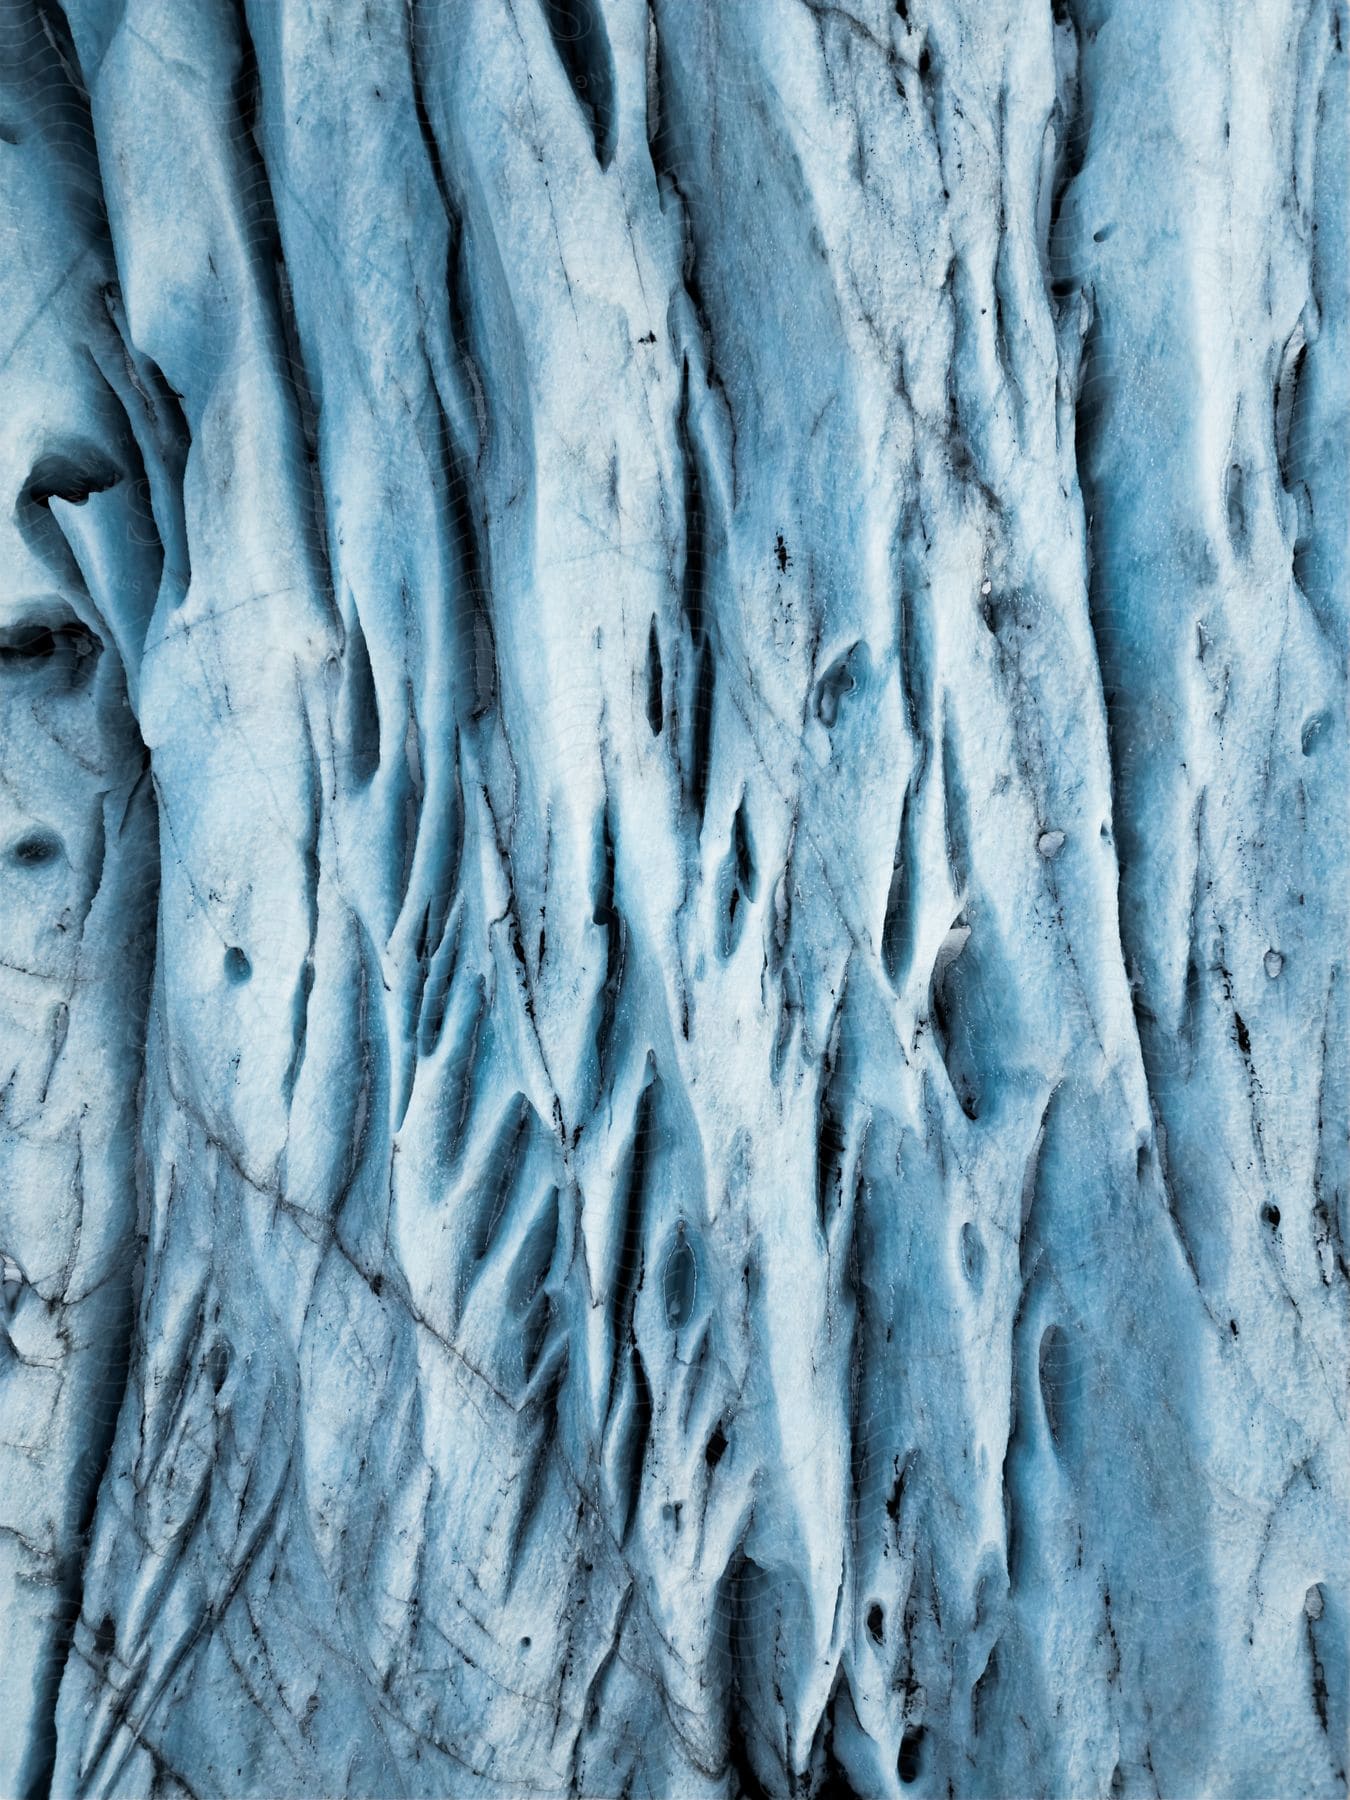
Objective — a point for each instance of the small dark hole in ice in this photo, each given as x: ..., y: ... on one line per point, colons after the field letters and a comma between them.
x: 717, y: 1445
x: 1236, y: 500
x: 972, y: 1255
x: 237, y: 966
x: 27, y: 644
x: 37, y: 848
x: 66, y: 648
x: 834, y: 686
x: 655, y: 703
x: 218, y: 1365
x: 681, y: 1280
x: 911, y: 1749
x: 876, y: 1621
x: 1271, y: 1214
x: 1056, y: 1373
x: 1312, y: 731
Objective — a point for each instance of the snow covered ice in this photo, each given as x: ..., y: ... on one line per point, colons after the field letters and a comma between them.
x: 673, y: 870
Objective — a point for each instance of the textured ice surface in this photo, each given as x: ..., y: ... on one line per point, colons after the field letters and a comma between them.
x: 674, y: 887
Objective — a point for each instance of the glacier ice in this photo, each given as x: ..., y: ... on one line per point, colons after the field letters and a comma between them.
x: 672, y: 717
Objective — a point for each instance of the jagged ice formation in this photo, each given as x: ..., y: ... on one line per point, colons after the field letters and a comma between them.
x: 674, y: 869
